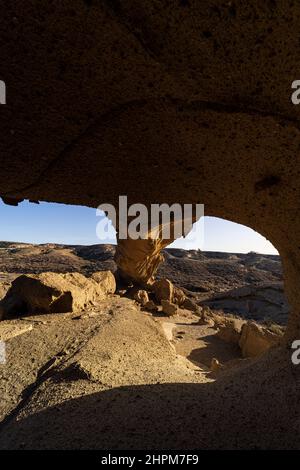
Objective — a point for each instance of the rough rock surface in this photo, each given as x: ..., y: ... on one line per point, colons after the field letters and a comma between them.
x: 189, y: 304
x: 105, y: 281
x: 168, y: 307
x: 4, y: 286
x: 252, y: 338
x: 252, y: 301
x: 231, y: 330
x: 111, y: 379
x: 175, y: 90
x: 52, y: 292
x: 179, y: 296
x: 163, y: 289
x: 204, y: 276
x: 255, y: 340
x: 139, y: 295
x: 138, y: 260
x: 10, y: 329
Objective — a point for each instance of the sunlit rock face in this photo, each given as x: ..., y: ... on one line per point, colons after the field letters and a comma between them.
x: 138, y: 260
x: 161, y: 101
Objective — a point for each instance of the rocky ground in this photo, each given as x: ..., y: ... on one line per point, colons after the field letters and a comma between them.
x: 115, y: 373
x: 249, y: 285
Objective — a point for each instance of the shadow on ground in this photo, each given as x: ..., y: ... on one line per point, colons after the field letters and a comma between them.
x: 257, y: 406
x: 214, y: 348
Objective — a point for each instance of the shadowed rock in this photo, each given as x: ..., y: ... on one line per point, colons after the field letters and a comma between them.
x: 54, y: 293
x: 255, y: 340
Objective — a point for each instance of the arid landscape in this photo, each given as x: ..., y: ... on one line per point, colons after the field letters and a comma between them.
x: 249, y: 285
x: 161, y: 103
x: 97, y: 364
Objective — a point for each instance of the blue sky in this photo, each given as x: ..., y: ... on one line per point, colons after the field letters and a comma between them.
x: 59, y: 223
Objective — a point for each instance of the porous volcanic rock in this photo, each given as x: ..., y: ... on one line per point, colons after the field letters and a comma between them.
x: 194, y: 98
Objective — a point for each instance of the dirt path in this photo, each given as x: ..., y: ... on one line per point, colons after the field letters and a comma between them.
x: 197, y: 342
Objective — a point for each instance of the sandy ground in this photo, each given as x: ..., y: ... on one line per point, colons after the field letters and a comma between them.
x: 197, y: 342
x: 118, y: 378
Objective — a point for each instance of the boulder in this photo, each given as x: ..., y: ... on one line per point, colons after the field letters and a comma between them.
x: 169, y: 308
x: 4, y: 286
x: 179, y: 296
x: 219, y: 319
x: 11, y: 329
x: 140, y: 296
x: 107, y: 281
x: 191, y: 305
x: 151, y: 306
x: 163, y: 290
x: 256, y: 339
x: 54, y: 293
x: 230, y: 331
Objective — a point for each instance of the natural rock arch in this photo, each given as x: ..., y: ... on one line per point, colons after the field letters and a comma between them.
x: 161, y: 101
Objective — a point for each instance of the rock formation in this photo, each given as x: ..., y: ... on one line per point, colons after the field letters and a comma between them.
x: 163, y: 290
x: 169, y: 308
x: 161, y: 101
x: 253, y: 339
x: 254, y: 302
x: 53, y: 293
x: 230, y: 330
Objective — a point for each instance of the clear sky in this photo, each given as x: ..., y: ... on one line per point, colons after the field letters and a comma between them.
x: 59, y: 223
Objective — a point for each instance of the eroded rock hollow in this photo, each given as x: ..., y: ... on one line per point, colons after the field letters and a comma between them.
x: 161, y: 101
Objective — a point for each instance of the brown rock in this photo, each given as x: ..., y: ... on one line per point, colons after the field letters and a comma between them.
x: 218, y: 319
x: 204, y: 320
x: 54, y: 293
x: 130, y: 258
x: 141, y: 296
x: 107, y: 281
x: 151, y: 306
x: 189, y: 304
x: 231, y: 330
x: 163, y: 290
x: 9, y: 329
x: 162, y: 126
x: 4, y: 286
x: 179, y: 296
x: 255, y: 339
x: 169, y: 308
x: 215, y: 365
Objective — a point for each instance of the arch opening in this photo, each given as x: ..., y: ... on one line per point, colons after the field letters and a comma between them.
x: 233, y: 272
